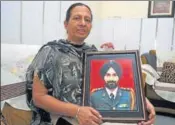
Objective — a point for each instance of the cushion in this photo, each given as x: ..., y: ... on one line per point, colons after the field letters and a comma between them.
x: 143, y: 59
x: 152, y: 52
x: 149, y: 69
x: 144, y: 78
x: 18, y: 102
x: 150, y: 59
x: 15, y: 116
x: 168, y: 73
x: 164, y: 86
x: 151, y: 74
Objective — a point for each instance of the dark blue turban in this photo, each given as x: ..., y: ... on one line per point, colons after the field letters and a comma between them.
x: 112, y: 64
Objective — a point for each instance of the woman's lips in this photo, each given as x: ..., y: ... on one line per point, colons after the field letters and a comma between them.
x: 81, y: 31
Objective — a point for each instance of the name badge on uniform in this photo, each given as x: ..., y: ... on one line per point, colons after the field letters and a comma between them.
x: 123, y: 105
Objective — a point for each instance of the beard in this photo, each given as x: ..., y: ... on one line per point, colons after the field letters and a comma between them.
x: 111, y: 84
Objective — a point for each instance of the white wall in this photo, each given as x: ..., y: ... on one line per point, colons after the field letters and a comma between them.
x: 37, y: 22
x: 32, y: 22
x: 10, y: 22
x: 124, y: 9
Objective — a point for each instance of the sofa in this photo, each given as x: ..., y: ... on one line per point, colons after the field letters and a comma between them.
x: 160, y: 83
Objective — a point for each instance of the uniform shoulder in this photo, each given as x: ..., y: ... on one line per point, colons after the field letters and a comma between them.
x: 97, y: 90
x: 126, y: 89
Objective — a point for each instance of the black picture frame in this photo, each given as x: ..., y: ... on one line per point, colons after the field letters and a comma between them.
x: 129, y: 62
x: 161, y: 9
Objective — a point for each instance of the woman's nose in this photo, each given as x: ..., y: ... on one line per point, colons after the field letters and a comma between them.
x: 83, y: 22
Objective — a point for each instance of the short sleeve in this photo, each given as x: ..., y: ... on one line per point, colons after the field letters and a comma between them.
x: 44, y: 65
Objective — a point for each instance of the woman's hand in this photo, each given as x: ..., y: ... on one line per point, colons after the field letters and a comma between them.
x: 152, y: 114
x: 88, y: 116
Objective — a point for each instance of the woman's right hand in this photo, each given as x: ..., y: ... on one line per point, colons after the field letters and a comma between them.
x: 88, y: 116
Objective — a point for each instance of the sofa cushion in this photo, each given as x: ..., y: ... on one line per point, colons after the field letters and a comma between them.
x: 164, y: 86
x: 150, y: 59
x: 149, y: 69
x: 151, y: 74
x: 168, y: 73
x: 16, y: 116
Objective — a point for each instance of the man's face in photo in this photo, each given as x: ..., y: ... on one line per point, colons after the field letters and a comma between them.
x: 111, y: 78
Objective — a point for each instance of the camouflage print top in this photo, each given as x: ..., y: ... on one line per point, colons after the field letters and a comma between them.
x: 59, y: 65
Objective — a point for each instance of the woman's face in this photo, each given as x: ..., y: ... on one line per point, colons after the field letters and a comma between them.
x: 79, y: 25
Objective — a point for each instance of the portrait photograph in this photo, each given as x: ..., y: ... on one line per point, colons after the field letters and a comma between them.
x: 113, y: 85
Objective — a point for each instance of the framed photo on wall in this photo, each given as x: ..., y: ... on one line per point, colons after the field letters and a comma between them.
x: 113, y: 85
x: 158, y: 9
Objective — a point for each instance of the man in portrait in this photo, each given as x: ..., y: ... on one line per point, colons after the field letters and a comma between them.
x: 111, y: 96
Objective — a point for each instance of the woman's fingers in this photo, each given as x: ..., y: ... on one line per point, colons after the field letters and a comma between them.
x: 96, y: 113
x: 96, y: 116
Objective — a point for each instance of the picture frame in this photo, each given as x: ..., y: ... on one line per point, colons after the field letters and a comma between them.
x: 129, y: 103
x: 161, y: 9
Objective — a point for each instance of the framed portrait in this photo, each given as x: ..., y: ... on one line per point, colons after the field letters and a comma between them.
x: 160, y: 9
x: 113, y: 85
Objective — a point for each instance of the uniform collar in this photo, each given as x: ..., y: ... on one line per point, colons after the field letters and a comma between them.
x: 114, y: 92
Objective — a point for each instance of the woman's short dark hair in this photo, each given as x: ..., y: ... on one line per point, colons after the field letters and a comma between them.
x: 68, y: 13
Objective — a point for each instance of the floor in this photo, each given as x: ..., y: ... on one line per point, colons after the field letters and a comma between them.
x: 164, y: 120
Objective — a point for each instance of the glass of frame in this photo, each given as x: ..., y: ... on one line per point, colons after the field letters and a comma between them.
x: 161, y: 9
x: 113, y: 85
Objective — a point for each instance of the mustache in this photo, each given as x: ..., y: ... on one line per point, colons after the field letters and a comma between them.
x: 112, y: 81
x: 111, y: 84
